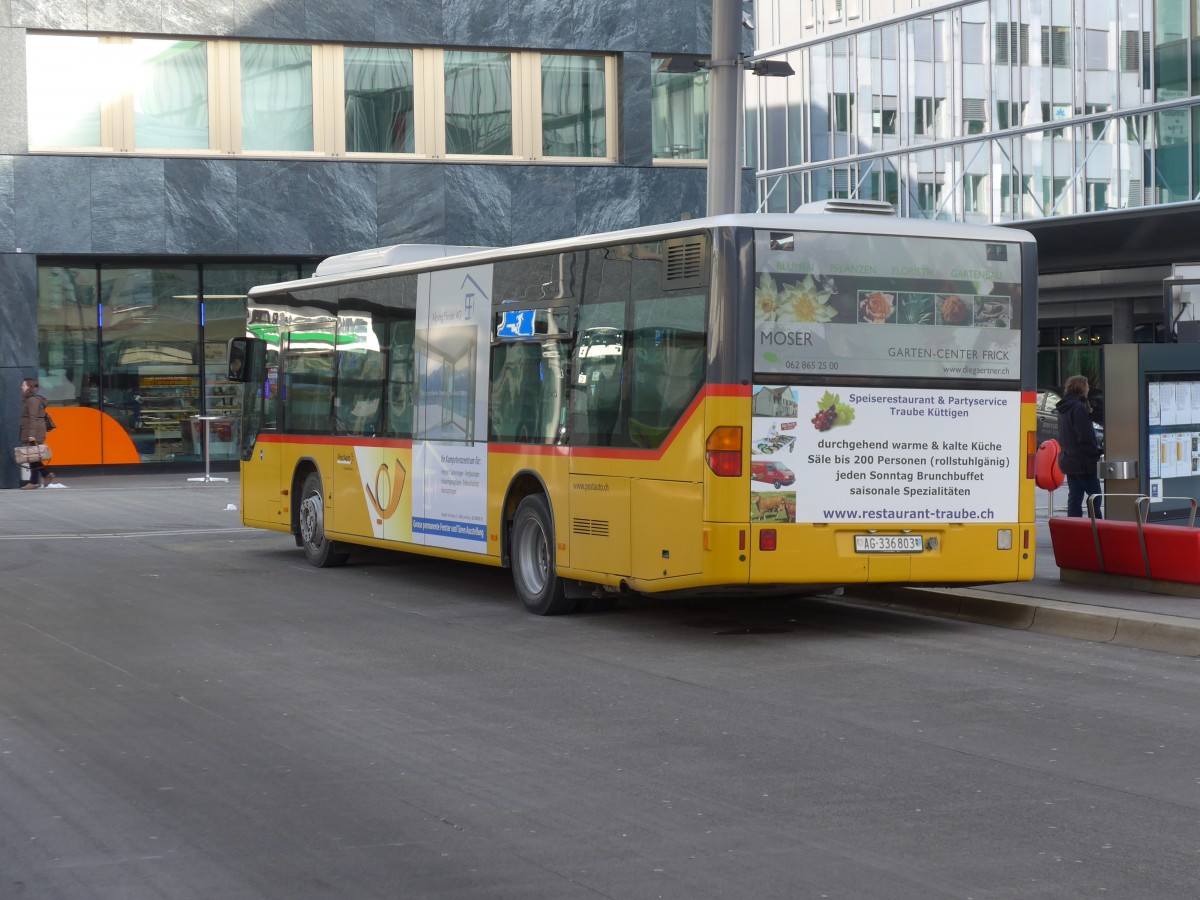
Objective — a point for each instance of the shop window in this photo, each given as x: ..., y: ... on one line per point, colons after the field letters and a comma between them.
x: 151, y: 355
x: 145, y: 347
x: 69, y: 336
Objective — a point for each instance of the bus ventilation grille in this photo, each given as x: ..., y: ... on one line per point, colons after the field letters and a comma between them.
x: 592, y: 527
x: 685, y: 262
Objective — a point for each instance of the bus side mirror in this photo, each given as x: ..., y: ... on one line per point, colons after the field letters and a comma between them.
x: 241, y: 354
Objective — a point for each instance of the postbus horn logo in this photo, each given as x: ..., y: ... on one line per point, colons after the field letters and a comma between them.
x: 388, y: 489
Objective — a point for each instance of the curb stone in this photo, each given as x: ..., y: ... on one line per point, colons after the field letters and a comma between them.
x: 1098, y: 624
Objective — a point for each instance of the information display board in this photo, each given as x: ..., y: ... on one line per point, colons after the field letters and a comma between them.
x: 886, y: 305
x: 1152, y: 429
x: 1173, y: 435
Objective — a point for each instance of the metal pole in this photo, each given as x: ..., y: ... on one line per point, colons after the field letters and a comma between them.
x: 724, y: 115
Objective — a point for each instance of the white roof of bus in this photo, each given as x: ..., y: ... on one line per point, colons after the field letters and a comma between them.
x: 380, y: 262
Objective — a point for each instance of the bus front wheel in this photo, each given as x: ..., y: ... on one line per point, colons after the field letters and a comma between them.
x: 533, y: 569
x: 321, y: 551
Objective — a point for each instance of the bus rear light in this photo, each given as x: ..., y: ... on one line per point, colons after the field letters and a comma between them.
x: 1030, y: 452
x: 766, y: 539
x: 1025, y: 540
x: 1004, y: 539
x: 724, y: 451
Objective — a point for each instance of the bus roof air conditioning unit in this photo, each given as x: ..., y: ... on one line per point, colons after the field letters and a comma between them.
x: 861, y: 207
x: 395, y: 255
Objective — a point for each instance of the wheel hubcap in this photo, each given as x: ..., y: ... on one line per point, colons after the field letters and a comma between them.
x: 311, y: 520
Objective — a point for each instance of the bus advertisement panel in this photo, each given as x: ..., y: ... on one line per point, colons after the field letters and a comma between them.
x: 454, y: 311
x: 886, y: 306
x: 881, y: 456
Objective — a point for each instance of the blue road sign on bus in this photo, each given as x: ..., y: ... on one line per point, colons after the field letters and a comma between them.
x: 515, y: 323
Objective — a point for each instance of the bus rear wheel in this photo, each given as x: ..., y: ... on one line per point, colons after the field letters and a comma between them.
x: 321, y: 551
x: 532, y: 553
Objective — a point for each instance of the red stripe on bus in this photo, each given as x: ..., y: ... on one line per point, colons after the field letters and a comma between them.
x: 727, y: 390
x: 712, y: 390
x: 271, y: 437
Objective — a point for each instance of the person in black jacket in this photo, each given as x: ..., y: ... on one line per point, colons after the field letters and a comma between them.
x: 1080, y: 452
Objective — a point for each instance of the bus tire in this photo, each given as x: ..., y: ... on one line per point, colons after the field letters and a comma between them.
x: 321, y: 552
x: 532, y: 556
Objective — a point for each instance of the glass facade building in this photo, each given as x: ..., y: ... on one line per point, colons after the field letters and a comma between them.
x: 994, y: 111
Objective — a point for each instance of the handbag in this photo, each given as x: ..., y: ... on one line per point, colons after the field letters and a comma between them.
x: 24, y: 454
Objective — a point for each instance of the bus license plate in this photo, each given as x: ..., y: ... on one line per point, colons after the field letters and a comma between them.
x: 888, y: 543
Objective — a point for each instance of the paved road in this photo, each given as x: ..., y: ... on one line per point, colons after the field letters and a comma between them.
x: 188, y: 710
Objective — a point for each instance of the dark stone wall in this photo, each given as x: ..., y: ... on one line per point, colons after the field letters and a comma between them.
x: 609, y: 25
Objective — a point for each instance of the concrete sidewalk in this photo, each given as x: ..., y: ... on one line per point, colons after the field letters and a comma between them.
x: 1116, y: 614
x: 1106, y: 614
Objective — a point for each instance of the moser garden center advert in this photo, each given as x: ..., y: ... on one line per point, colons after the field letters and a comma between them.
x: 886, y: 455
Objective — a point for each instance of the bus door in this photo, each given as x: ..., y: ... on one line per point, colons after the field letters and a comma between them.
x: 261, y: 456
x: 371, y: 491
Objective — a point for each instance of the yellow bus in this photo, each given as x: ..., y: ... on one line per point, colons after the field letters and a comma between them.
x: 612, y: 413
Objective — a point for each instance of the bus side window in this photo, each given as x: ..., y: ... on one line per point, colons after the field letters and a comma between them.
x: 595, y: 414
x: 401, y: 397
x: 360, y: 377
x: 358, y: 407
x: 668, y: 365
x: 526, y: 392
x: 307, y: 390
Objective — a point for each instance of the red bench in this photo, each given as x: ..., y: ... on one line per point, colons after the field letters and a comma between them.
x: 1074, y: 544
x: 1173, y: 553
x: 1134, y: 549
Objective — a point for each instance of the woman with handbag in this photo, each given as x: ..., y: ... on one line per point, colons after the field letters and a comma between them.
x: 33, y: 432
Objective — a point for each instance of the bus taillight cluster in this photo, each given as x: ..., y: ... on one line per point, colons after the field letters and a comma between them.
x: 724, y: 451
